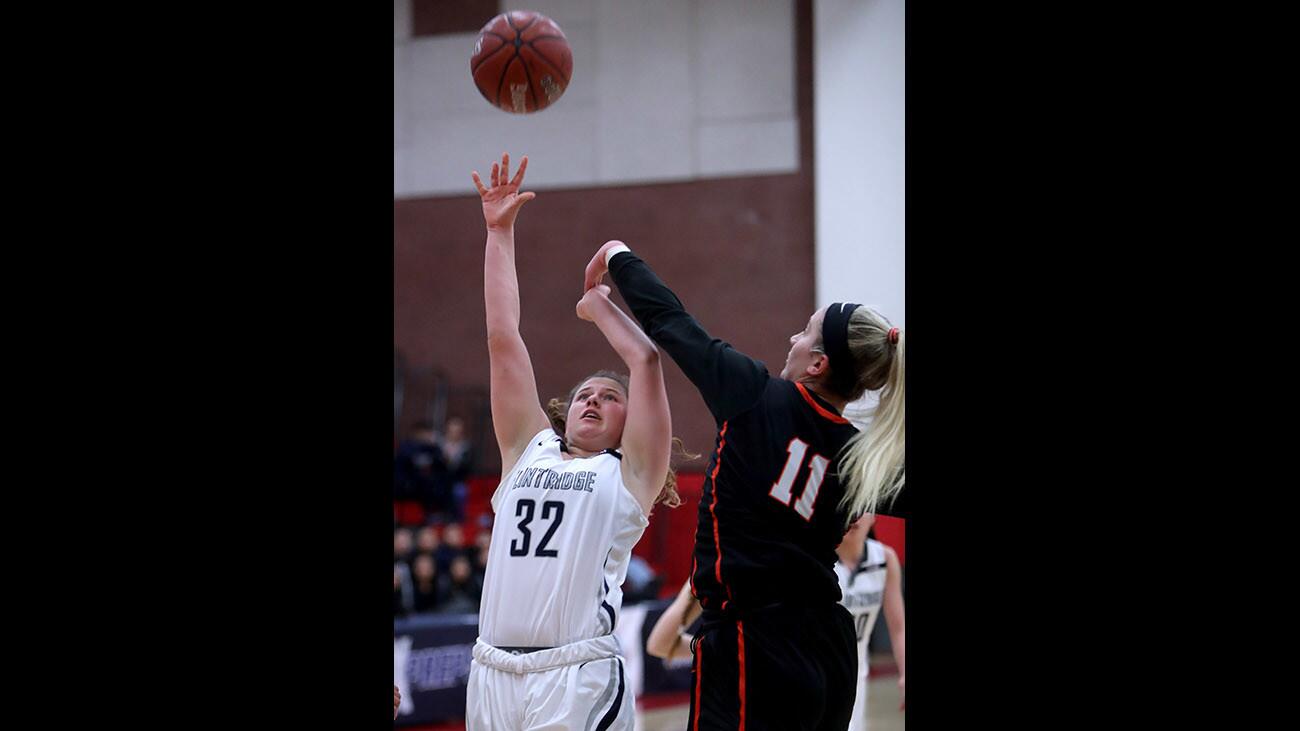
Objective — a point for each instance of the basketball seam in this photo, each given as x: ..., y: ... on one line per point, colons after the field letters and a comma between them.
x: 520, y: 31
x: 483, y: 60
x: 537, y: 101
x: 558, y: 70
x: 502, y: 82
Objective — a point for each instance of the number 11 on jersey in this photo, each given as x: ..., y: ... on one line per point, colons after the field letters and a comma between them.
x: 816, y: 473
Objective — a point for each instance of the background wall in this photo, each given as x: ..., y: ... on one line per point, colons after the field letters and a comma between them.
x: 718, y: 138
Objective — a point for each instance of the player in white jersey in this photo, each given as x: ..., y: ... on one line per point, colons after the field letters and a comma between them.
x: 870, y: 579
x: 574, y: 499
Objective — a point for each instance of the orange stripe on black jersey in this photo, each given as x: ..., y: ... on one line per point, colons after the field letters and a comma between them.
x: 820, y: 409
x: 740, y: 635
x: 699, y: 664
x: 717, y: 541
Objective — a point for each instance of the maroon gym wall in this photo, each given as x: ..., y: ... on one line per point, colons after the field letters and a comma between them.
x: 738, y: 252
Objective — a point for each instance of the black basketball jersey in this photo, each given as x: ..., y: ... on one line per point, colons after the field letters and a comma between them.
x: 769, y: 518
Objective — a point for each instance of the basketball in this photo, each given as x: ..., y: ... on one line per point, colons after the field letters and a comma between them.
x: 522, y: 62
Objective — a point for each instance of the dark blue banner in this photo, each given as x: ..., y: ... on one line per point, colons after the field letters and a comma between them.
x: 431, y: 656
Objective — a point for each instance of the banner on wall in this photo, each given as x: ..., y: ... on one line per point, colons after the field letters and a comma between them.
x: 431, y: 657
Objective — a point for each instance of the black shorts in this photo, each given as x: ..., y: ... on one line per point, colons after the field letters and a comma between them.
x: 784, y: 667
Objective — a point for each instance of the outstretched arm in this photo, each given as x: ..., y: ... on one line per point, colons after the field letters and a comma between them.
x: 729, y: 380
x: 516, y: 410
x: 648, y: 431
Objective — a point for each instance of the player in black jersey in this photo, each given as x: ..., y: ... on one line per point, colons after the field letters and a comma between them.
x: 787, y: 476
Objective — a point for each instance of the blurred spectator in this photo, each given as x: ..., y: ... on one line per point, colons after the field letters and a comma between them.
x: 461, y: 589
x: 481, y: 544
x: 426, y: 541
x: 403, y: 591
x: 403, y: 545
x: 428, y: 594
x: 453, y: 546
x: 455, y: 465
x: 417, y: 466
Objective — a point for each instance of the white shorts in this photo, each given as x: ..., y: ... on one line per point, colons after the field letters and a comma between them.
x: 576, y: 687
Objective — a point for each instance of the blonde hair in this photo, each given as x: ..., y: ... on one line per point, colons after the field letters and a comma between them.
x: 558, y: 412
x: 871, y: 467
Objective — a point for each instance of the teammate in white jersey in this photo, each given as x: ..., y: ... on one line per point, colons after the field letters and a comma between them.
x: 573, y: 500
x: 871, y: 579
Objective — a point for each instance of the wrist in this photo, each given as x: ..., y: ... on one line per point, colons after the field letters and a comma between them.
x: 614, y: 250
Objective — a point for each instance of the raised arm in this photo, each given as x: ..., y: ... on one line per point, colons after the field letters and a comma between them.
x: 729, y: 380
x: 516, y: 410
x: 648, y: 431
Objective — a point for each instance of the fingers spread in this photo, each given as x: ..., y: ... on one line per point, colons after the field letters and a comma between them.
x: 519, y: 176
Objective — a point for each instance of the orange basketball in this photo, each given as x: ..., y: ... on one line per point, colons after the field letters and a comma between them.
x: 522, y: 62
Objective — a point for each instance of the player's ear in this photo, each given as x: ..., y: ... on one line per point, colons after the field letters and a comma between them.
x: 819, y: 366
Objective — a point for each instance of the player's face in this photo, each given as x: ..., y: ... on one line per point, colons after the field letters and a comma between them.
x: 596, y: 415
x: 801, y: 348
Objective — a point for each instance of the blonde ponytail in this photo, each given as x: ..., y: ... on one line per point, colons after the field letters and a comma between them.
x: 871, y: 467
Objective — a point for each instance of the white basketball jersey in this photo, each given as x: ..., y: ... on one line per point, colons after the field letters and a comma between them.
x: 563, y: 534
x: 863, y: 587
